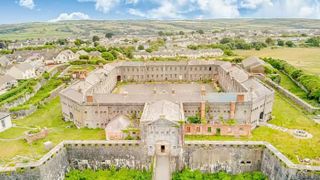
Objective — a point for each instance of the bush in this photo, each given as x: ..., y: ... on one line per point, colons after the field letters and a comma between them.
x: 107, y: 56
x: 110, y: 174
x: 194, y: 119
x: 84, y: 57
x: 309, y: 81
x: 197, y: 174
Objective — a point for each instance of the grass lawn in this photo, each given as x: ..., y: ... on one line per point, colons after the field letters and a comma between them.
x: 288, y: 115
x: 307, y: 59
x: 48, y: 116
x: 288, y: 84
x: 43, y: 93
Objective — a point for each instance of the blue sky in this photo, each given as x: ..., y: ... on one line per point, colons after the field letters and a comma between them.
x: 18, y: 11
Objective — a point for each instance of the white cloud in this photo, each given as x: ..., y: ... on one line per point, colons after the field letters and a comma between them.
x: 71, y: 16
x: 175, y: 9
x: 290, y: 9
x: 219, y: 8
x: 167, y: 9
x: 254, y: 4
x: 27, y: 4
x: 132, y: 1
x: 136, y: 12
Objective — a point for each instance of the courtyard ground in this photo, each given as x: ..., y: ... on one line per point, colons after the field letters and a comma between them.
x: 304, y: 58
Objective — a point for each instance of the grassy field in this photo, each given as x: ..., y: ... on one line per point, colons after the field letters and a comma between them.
x: 48, y: 116
x: 288, y: 115
x: 307, y: 59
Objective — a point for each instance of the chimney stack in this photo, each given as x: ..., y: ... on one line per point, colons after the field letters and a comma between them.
x: 89, y: 99
x: 240, y: 98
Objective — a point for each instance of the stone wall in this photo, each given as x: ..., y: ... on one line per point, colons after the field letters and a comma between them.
x: 293, y: 97
x: 103, y: 154
x: 219, y: 156
x: 207, y: 156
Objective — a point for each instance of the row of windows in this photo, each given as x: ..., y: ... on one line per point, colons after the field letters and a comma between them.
x: 133, y: 69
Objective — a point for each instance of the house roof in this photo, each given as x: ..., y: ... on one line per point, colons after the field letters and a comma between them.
x: 162, y: 109
x: 6, y: 78
x: 252, y: 61
x: 119, y: 123
x: 4, y: 114
x: 23, y: 66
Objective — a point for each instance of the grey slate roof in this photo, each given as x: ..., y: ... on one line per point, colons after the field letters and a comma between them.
x: 162, y: 109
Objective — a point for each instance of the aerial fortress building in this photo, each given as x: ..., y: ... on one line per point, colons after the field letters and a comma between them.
x: 92, y: 102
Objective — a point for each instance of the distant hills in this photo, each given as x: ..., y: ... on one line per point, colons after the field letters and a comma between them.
x: 88, y: 28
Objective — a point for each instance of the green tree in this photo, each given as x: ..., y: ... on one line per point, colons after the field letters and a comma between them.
x: 270, y: 41
x: 289, y: 44
x: 161, y: 33
x: 140, y: 47
x: 95, y: 38
x: 109, y: 35
x: 200, y: 31
x: 181, y: 33
x: 107, y: 56
x: 78, y: 42
x: 280, y: 42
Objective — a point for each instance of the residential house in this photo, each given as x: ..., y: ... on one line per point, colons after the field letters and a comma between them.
x: 254, y: 65
x: 7, y: 82
x: 64, y: 57
x: 22, y: 71
x: 5, y: 121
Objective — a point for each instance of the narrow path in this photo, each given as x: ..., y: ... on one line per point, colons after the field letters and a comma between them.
x: 294, y: 132
x: 162, y: 168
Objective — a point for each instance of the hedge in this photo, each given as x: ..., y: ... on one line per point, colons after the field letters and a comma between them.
x: 309, y: 81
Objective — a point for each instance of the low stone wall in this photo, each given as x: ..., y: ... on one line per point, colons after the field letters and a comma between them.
x: 208, y: 156
x: 103, y: 154
x: 223, y: 129
x: 233, y: 157
x: 241, y: 156
x: 80, y: 154
x: 289, y: 95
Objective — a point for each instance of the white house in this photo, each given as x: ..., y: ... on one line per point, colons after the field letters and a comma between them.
x: 64, y: 56
x: 7, y: 81
x: 22, y: 71
x: 5, y: 121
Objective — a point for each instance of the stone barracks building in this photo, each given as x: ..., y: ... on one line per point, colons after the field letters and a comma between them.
x: 93, y: 103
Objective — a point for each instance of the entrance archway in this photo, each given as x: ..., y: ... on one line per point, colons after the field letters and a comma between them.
x: 162, y: 148
x: 261, y: 116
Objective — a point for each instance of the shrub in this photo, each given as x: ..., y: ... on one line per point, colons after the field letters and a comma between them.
x: 107, y: 56
x: 194, y: 119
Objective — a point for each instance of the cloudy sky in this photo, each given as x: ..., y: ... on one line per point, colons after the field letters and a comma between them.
x: 17, y: 11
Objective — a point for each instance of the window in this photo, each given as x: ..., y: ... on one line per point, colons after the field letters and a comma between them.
x: 2, y: 123
x: 209, y: 129
x: 188, y: 129
x: 198, y: 129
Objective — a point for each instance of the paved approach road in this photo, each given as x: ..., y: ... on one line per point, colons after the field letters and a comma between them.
x: 162, y: 169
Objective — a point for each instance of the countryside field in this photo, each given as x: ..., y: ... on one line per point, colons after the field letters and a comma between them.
x: 307, y: 59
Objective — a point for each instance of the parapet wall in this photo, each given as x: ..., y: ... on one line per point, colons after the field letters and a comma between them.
x: 208, y: 156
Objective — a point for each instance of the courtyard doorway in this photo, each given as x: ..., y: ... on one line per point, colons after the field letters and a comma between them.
x: 118, y: 78
x: 261, y: 116
x: 163, y: 148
